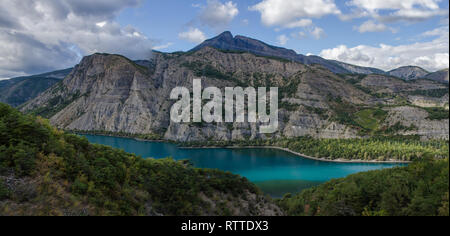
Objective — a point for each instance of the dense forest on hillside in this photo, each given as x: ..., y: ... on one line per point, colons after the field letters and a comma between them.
x: 402, y: 148
x: 421, y: 189
x: 44, y: 171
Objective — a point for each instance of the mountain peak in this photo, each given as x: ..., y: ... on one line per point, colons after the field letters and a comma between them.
x: 225, y: 41
x: 225, y: 35
x: 409, y: 72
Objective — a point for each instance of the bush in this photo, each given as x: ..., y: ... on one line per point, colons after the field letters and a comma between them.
x: 4, y: 192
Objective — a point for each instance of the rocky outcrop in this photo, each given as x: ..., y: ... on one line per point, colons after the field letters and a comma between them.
x: 409, y: 73
x: 390, y: 85
x: 422, y: 101
x: 417, y: 119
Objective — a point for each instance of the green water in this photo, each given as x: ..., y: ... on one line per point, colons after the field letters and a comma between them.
x: 276, y: 172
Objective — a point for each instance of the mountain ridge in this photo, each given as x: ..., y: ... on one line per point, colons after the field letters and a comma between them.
x: 12, y: 89
x: 226, y: 41
x: 113, y: 94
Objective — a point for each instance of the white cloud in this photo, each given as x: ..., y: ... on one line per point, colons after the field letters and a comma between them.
x: 432, y: 55
x: 314, y: 32
x: 282, y: 39
x: 442, y: 31
x: 101, y: 24
x: 287, y: 12
x: 397, y: 10
x: 43, y: 35
x: 317, y: 33
x: 161, y: 47
x: 372, y: 26
x: 299, y: 24
x: 218, y: 15
x: 193, y: 35
x: 373, y: 5
x: 299, y: 35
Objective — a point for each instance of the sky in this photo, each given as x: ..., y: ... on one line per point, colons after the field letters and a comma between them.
x: 38, y: 36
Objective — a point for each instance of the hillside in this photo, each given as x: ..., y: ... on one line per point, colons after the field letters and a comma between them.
x: 420, y: 189
x: 17, y: 91
x: 44, y: 171
x: 114, y: 94
x: 439, y: 76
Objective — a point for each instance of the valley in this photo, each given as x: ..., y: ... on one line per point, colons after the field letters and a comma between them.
x: 368, y: 134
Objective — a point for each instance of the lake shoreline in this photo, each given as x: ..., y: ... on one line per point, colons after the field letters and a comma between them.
x: 257, y: 147
x: 300, y: 154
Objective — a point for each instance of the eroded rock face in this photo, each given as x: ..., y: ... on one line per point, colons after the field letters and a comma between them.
x: 417, y: 118
x: 385, y: 84
x: 111, y: 93
x: 422, y: 101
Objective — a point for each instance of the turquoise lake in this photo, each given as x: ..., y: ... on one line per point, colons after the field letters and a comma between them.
x: 276, y: 172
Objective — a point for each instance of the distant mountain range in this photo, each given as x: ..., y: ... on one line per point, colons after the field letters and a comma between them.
x: 16, y: 91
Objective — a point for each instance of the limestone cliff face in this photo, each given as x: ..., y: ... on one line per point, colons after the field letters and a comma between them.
x: 418, y: 118
x: 111, y: 93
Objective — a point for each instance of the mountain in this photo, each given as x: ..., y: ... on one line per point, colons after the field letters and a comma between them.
x: 111, y: 93
x: 352, y: 69
x: 227, y: 42
x: 18, y: 90
x: 408, y: 72
x: 439, y: 76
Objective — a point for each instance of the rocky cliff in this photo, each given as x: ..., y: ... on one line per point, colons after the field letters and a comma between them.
x: 112, y: 93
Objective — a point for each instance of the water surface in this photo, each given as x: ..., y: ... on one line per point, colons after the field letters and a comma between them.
x: 276, y: 172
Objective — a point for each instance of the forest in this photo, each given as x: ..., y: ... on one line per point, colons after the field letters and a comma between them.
x: 389, y: 148
x: 421, y: 189
x: 45, y: 171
